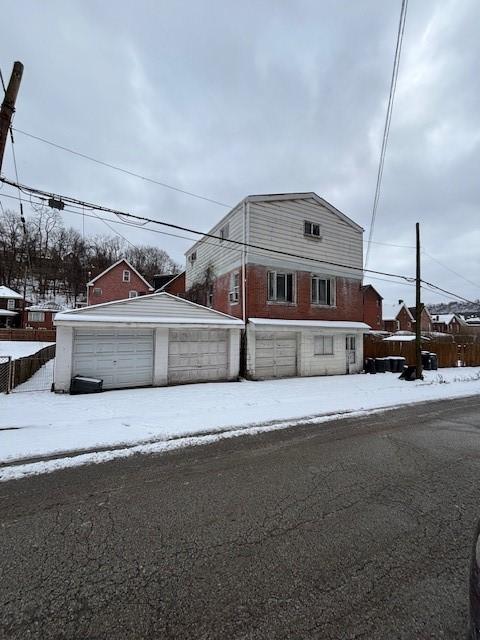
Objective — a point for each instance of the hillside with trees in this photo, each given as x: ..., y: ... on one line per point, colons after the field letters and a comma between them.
x: 46, y: 260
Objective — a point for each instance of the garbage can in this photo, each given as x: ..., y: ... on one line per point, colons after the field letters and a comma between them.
x: 394, y: 364
x: 388, y: 364
x: 426, y: 361
x: 82, y: 384
x: 434, y: 361
x: 380, y: 365
x: 401, y: 364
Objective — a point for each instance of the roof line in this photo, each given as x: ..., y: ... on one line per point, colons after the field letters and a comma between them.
x: 115, y: 265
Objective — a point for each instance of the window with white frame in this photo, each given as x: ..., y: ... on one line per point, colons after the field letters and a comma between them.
x: 126, y: 275
x: 323, y: 290
x: 224, y: 231
x: 192, y: 257
x: 36, y: 316
x: 323, y: 345
x: 10, y: 304
x: 132, y: 294
x: 234, y: 294
x: 281, y: 287
x: 210, y: 296
x: 311, y: 229
x: 97, y: 291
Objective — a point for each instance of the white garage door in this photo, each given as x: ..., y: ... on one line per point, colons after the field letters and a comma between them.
x: 197, y: 355
x: 275, y: 355
x: 120, y: 357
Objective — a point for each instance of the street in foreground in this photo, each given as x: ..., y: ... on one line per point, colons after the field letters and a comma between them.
x: 359, y: 528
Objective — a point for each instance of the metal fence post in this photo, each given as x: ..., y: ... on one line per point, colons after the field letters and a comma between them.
x: 9, y: 373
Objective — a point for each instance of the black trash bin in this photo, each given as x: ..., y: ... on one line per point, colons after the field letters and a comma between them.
x: 426, y: 361
x: 388, y: 364
x: 380, y: 365
x: 401, y: 363
x: 434, y: 361
x: 394, y: 364
x: 82, y: 384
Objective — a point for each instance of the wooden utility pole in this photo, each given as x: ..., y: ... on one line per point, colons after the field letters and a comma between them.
x: 8, y: 106
x: 418, y: 314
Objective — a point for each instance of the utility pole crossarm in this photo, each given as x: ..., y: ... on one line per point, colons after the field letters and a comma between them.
x: 8, y: 106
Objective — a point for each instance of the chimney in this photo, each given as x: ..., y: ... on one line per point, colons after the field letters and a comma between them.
x: 400, y: 302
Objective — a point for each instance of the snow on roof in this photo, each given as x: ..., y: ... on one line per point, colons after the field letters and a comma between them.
x: 153, y: 309
x: 443, y: 317
x: 402, y: 339
x: 6, y: 292
x: 391, y: 311
x: 112, y: 266
x: 320, y: 324
x: 48, y: 305
x: 5, y: 312
x: 474, y: 319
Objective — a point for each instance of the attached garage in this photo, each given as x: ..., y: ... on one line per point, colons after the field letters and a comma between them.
x: 287, y: 348
x: 151, y: 340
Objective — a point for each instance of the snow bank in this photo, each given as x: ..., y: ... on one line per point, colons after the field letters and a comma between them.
x: 51, y: 424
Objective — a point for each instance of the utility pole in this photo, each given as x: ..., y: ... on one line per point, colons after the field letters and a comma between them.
x: 8, y: 106
x: 418, y: 314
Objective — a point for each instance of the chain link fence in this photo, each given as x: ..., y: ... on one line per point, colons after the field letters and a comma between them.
x: 5, y: 374
x: 30, y: 373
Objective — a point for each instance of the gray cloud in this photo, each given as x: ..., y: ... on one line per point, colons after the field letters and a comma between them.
x: 227, y: 99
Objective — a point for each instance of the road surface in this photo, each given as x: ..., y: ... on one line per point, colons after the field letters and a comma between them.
x: 359, y: 528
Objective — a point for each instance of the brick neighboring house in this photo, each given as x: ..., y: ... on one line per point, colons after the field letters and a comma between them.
x: 120, y: 281
x: 304, y: 316
x: 11, y: 307
x: 170, y: 283
x: 425, y: 320
x: 41, y: 315
x: 397, y: 317
x: 372, y: 307
x: 448, y: 323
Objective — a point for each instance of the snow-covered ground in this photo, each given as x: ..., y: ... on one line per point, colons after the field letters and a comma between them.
x: 160, y: 418
x: 20, y: 348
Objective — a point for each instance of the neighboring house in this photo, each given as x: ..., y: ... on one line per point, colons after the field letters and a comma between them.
x: 372, y: 307
x: 448, y: 323
x: 41, y: 315
x: 118, y: 282
x: 304, y: 314
x: 425, y: 319
x: 397, y: 317
x: 174, y: 284
x: 152, y: 340
x: 473, y: 321
x: 11, y: 306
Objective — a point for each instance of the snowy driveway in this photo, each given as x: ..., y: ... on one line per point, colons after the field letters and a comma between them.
x: 43, y: 424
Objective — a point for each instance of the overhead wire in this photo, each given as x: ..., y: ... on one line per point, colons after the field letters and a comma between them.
x: 388, y: 118
x: 475, y: 284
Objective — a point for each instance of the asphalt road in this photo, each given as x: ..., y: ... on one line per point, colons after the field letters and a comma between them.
x: 359, y: 528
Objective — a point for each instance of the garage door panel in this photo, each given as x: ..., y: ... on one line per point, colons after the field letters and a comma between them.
x: 275, y: 355
x: 121, y: 358
x: 197, y: 355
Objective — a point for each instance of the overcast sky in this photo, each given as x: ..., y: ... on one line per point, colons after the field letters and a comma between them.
x: 227, y: 99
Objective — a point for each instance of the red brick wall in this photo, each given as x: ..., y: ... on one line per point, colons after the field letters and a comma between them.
x: 405, y: 322
x: 372, y: 309
x: 349, y: 298
x: 113, y: 287
x: 46, y: 324
x: 176, y: 286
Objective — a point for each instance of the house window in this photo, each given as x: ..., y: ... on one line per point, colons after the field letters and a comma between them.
x: 234, y: 294
x: 323, y: 290
x: 280, y: 287
x: 36, y: 316
x: 350, y: 346
x: 210, y: 296
x: 224, y: 233
x: 132, y: 294
x: 192, y: 257
x: 126, y: 276
x: 311, y: 229
x: 323, y: 345
x: 10, y: 304
x: 97, y: 291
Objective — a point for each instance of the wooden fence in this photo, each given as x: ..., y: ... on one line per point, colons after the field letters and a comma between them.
x: 449, y: 354
x: 40, y: 335
x: 15, y: 372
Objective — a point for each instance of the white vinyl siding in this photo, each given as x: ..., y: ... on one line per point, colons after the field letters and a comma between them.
x: 278, y: 225
x: 221, y: 255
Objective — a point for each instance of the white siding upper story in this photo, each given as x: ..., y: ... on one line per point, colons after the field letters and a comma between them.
x: 277, y: 222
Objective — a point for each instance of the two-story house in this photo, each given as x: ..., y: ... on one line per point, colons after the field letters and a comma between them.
x: 11, y: 306
x: 289, y: 265
x: 397, y: 317
x: 448, y: 323
x: 120, y: 281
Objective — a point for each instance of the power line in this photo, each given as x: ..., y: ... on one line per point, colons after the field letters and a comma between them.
x: 47, y: 195
x: 451, y: 270
x: 455, y: 295
x: 121, y: 169
x: 388, y: 118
